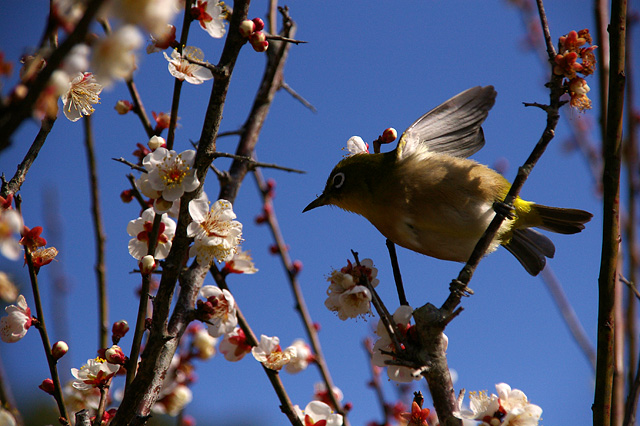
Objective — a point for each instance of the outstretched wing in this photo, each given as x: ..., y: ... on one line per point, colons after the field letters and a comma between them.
x: 452, y: 128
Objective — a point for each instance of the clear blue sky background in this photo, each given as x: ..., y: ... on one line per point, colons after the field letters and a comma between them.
x: 367, y: 66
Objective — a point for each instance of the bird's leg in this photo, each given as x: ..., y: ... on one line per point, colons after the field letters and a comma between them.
x: 503, y: 209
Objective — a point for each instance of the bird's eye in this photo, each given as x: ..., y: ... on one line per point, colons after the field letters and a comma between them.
x: 338, y: 180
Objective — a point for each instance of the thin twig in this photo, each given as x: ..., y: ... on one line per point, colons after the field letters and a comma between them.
x: 298, y: 97
x: 253, y: 164
x: 130, y: 164
x: 397, y: 276
x: 18, y: 178
x: 569, y: 315
x: 301, y: 306
x: 177, y: 84
x: 42, y: 328
x: 138, y: 107
x: 285, y: 39
x: 98, y: 229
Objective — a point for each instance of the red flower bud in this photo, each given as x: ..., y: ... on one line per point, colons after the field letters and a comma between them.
x: 259, y: 23
x: 120, y: 329
x: 47, y: 386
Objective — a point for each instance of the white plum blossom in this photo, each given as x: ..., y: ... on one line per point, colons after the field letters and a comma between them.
x: 6, y: 418
x: 140, y: 230
x: 170, y: 173
x: 220, y: 308
x: 14, y: 326
x: 182, y: 69
x: 173, y: 402
x: 77, y: 61
x: 356, y: 145
x: 347, y: 296
x: 114, y: 56
x: 317, y: 411
x: 240, y: 263
x: 216, y: 235
x: 270, y: 354
x: 302, y: 358
x: 96, y: 372
x: 397, y: 373
x: 234, y: 345
x: 509, y: 408
x: 8, y: 290
x: 205, y: 343
x: 210, y: 15
x: 83, y: 92
x: 152, y: 15
x: 10, y: 225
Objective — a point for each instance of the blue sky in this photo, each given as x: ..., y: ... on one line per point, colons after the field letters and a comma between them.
x: 367, y: 66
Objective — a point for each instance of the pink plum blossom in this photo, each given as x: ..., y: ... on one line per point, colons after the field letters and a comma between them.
x: 14, y: 326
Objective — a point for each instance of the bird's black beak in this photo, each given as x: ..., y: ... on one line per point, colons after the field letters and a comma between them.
x: 320, y: 201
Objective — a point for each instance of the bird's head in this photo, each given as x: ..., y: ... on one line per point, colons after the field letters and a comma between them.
x: 351, y: 183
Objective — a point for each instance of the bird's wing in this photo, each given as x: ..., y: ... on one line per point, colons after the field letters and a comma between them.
x: 453, y: 127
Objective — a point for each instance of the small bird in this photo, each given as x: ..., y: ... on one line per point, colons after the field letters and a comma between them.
x: 427, y: 196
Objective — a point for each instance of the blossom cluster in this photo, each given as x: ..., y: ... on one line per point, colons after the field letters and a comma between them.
x: 574, y: 59
x: 348, y: 295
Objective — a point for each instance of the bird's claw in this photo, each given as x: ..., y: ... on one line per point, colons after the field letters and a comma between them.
x: 503, y: 209
x: 460, y: 288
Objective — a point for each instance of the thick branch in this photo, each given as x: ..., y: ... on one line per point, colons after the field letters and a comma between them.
x: 611, y: 226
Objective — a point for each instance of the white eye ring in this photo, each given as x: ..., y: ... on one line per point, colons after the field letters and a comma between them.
x: 338, y: 180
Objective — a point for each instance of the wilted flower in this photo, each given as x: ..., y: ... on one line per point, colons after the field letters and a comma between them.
x: 182, y: 69
x: 140, y: 229
x: 216, y: 235
x: 14, y: 326
x: 95, y: 373
x: 219, y: 310
x: 269, y: 353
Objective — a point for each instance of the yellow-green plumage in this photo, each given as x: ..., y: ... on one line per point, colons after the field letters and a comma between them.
x: 427, y: 197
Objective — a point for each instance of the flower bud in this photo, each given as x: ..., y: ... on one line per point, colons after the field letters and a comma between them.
x: 122, y: 107
x: 260, y: 47
x: 257, y: 38
x: 156, y: 142
x: 259, y: 23
x: 120, y: 329
x: 126, y: 196
x: 47, y: 386
x: 147, y: 264
x: 59, y: 349
x: 389, y: 135
x: 115, y: 355
x: 297, y: 266
x: 246, y: 28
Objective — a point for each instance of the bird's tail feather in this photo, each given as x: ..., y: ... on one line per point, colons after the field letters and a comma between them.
x: 531, y: 248
x: 561, y: 220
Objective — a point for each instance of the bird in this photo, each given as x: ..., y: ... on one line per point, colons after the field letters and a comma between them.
x: 426, y: 195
